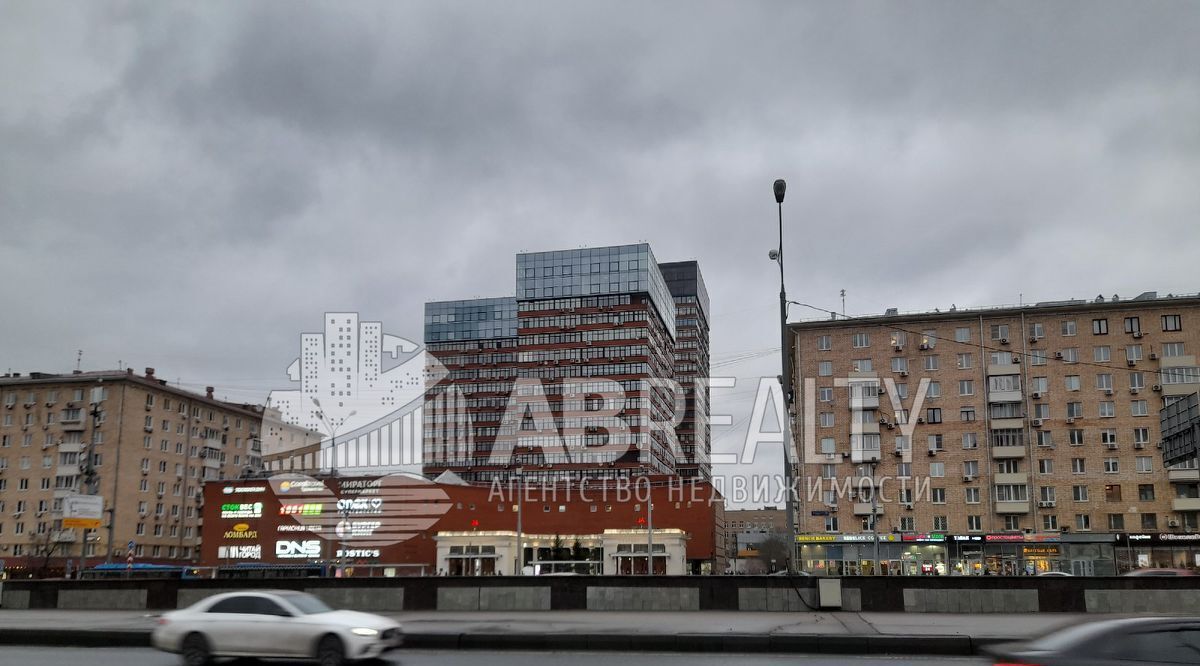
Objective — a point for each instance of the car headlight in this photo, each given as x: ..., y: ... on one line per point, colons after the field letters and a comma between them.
x: 363, y: 631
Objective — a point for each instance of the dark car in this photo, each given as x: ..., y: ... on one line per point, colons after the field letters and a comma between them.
x: 1140, y: 641
x: 1160, y: 572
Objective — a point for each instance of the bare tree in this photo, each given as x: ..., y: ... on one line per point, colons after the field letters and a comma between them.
x: 774, y: 549
x: 42, y: 547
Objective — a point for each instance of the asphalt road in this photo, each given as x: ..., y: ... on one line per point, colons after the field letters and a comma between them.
x: 39, y: 656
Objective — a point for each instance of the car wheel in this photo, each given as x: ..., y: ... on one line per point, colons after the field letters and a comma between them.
x: 195, y: 651
x: 330, y: 651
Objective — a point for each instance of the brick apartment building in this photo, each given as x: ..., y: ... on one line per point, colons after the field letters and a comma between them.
x: 147, y: 445
x: 1036, y: 421
x: 581, y: 344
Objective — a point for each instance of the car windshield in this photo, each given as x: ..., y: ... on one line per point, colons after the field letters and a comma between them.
x: 1064, y: 639
x: 307, y: 604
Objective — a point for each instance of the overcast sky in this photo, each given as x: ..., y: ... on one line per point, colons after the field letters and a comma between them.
x: 189, y: 186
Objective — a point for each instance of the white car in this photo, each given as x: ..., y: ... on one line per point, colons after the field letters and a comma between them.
x: 274, y: 624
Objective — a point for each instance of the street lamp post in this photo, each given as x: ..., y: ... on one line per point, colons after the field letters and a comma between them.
x: 785, y: 383
x: 332, y: 435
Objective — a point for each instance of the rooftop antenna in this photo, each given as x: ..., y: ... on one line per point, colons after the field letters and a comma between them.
x: 843, y: 302
x: 78, y: 359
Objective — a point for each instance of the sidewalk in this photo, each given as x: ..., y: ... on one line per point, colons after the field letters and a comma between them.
x: 709, y: 631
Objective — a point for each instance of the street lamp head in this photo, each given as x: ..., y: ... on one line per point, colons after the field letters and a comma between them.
x: 773, y: 255
x: 780, y: 189
x: 316, y: 402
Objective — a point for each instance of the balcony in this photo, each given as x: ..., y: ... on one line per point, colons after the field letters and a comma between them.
x: 1008, y: 451
x: 1012, y: 478
x: 864, y: 402
x: 67, y: 470
x: 1183, y: 475
x: 75, y: 425
x: 864, y: 455
x: 1003, y: 369
x: 1015, y: 423
x: 1012, y: 507
x: 1186, y: 504
x: 1178, y: 389
x: 75, y: 447
x: 1177, y: 362
x: 864, y: 509
x: 214, y: 444
x: 1005, y: 396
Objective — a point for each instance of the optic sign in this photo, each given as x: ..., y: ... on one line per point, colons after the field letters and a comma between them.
x: 302, y: 486
x: 359, y: 552
x: 300, y: 509
x: 240, y: 552
x: 298, y: 549
x: 241, y: 531
x: 349, y: 529
x: 359, y: 505
x: 242, y: 510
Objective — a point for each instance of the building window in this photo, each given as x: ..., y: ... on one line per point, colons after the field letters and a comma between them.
x: 1116, y: 522
x: 962, y: 334
x: 824, y: 342
x: 1078, y: 466
x: 1079, y: 493
x: 1172, y: 349
x: 966, y: 414
x: 1146, y: 492
x: 1037, y: 357
x: 1133, y: 353
x: 1074, y: 410
x: 1049, y: 523
x: 933, y: 390
x: 899, y: 364
x: 1045, y: 438
x: 999, y: 331
x: 825, y: 394
x: 1068, y: 327
x: 937, y: 470
x: 931, y: 362
x: 826, y: 419
x: 964, y: 361
x: 1070, y: 355
x: 1137, y: 380
x: 1102, y: 354
x: 966, y: 387
x: 825, y: 368
x: 1145, y: 464
x: 938, y: 495
x: 1099, y: 327
x: 941, y: 523
x: 1139, y: 408
x: 933, y: 415
x: 972, y: 496
x: 974, y: 523
x: 1046, y: 466
x: 1172, y: 323
x: 863, y: 365
x: 1083, y: 522
x: 861, y: 340
x: 1112, y: 466
x: 970, y: 440
x: 1141, y: 435
x: 907, y: 524
x: 929, y: 339
x: 1036, y: 331
x: 1104, y: 381
x: 828, y: 445
x: 1108, y: 409
x: 1149, y: 521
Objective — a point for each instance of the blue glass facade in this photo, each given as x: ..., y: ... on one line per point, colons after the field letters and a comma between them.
x: 620, y: 269
x: 473, y: 319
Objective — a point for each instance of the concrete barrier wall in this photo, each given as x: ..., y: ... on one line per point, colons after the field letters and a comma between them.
x: 935, y: 594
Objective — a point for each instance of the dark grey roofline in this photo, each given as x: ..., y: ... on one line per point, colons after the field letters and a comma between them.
x: 116, y: 376
x: 1050, y: 307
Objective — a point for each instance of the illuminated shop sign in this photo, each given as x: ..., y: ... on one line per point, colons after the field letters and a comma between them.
x: 240, y: 552
x: 238, y: 490
x: 358, y: 552
x: 361, y: 486
x: 297, y: 527
x: 298, y: 549
x: 349, y: 529
x: 235, y: 510
x: 311, y: 509
x: 241, y: 531
x: 360, y: 505
x: 302, y: 486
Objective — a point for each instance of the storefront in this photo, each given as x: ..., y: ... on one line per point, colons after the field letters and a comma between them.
x: 855, y: 554
x: 1158, y: 550
x: 935, y: 554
